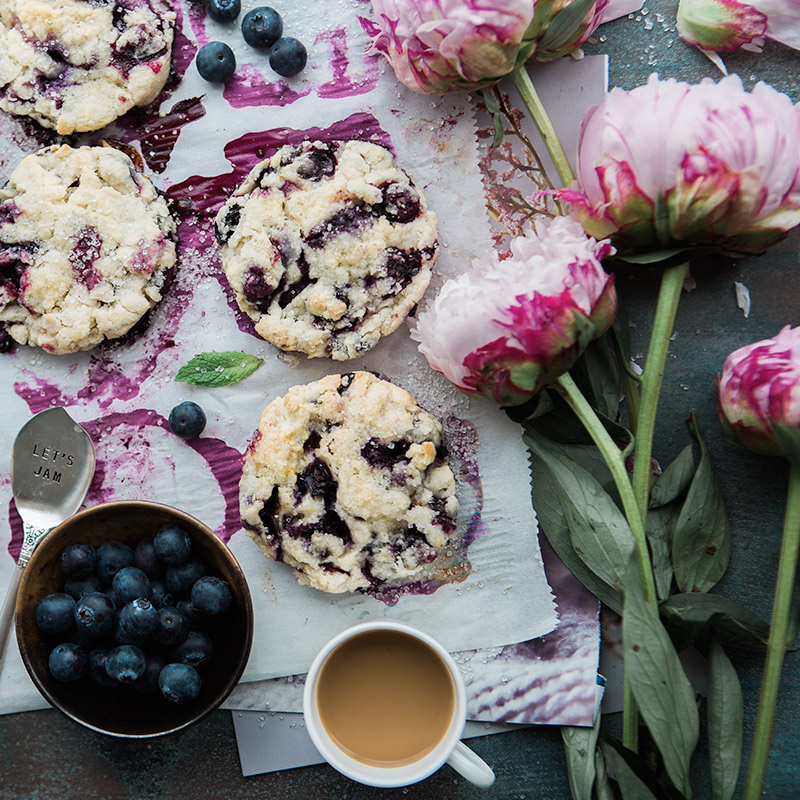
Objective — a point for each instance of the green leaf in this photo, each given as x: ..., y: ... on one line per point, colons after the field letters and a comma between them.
x: 725, y: 723
x: 595, y: 372
x: 662, y: 691
x: 660, y: 523
x: 789, y: 439
x: 599, y: 531
x: 674, y: 480
x: 667, y: 257
x: 564, y: 25
x: 686, y: 615
x: 631, y: 786
x: 218, y: 368
x: 701, y: 543
x: 547, y: 500
x: 602, y: 785
x: 580, y: 745
x: 497, y: 116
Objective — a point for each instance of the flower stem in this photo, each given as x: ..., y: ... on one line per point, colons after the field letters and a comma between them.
x: 524, y: 85
x: 653, y: 376
x: 777, y: 643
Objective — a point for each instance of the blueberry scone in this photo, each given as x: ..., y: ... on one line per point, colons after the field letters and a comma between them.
x: 76, y: 65
x: 345, y: 481
x: 327, y: 247
x: 86, y: 244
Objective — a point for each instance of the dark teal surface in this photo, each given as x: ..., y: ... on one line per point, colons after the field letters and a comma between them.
x: 44, y: 756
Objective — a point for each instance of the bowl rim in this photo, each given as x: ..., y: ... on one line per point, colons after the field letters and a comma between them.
x: 121, y: 505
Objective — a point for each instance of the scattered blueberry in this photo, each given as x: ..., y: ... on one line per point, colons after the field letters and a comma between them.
x: 179, y: 683
x: 78, y: 560
x: 172, y: 627
x: 130, y: 583
x: 138, y: 618
x: 78, y: 587
x: 125, y: 663
x: 55, y: 613
x: 181, y: 577
x: 262, y: 27
x: 223, y: 10
x: 147, y: 683
x: 111, y: 558
x: 145, y: 558
x: 97, y: 668
x: 172, y: 544
x: 94, y: 614
x: 211, y: 595
x: 68, y: 662
x: 288, y: 56
x: 187, y: 419
x: 215, y: 63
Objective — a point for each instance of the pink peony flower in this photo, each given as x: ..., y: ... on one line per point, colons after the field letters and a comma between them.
x: 726, y: 25
x: 760, y: 386
x: 671, y: 166
x: 505, y: 329
x: 440, y: 46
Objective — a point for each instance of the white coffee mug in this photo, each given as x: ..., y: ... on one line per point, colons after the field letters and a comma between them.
x: 448, y: 750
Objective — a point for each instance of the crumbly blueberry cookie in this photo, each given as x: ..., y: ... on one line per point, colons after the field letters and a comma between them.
x: 76, y: 65
x: 86, y: 244
x: 345, y: 481
x: 327, y: 247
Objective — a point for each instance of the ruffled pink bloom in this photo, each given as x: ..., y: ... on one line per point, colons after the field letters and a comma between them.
x: 505, y: 329
x: 440, y: 46
x: 760, y: 386
x: 726, y: 25
x: 671, y: 166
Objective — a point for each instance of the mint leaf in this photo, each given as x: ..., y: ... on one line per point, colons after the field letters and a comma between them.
x: 218, y: 368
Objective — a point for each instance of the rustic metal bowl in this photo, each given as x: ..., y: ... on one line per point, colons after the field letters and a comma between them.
x: 123, y: 711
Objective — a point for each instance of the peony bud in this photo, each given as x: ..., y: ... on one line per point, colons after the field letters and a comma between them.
x: 669, y: 167
x: 505, y: 329
x: 760, y: 387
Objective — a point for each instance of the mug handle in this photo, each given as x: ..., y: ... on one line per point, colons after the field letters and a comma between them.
x: 471, y: 766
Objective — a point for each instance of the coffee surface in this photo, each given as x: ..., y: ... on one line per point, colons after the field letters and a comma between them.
x: 385, y: 698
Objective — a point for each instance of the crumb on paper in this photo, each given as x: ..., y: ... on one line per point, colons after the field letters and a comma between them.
x: 742, y: 298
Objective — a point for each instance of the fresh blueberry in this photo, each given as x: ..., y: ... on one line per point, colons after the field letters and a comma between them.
x: 195, y: 619
x: 187, y: 419
x: 159, y: 596
x: 78, y: 587
x: 195, y: 650
x: 172, y: 544
x: 147, y: 683
x: 223, y: 10
x: 95, y: 614
x: 68, y: 662
x: 138, y: 618
x: 55, y: 613
x: 130, y: 583
x: 121, y: 636
x: 145, y: 558
x: 172, y: 627
x: 262, y: 27
x: 215, y: 63
x: 78, y: 560
x: 182, y: 577
x: 179, y: 683
x: 125, y: 663
x: 112, y: 556
x: 97, y: 668
x: 288, y: 56
x: 211, y: 595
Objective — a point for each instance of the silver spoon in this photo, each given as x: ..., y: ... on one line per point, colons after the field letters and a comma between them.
x: 52, y: 464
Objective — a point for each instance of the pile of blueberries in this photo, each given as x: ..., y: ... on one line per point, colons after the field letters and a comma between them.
x: 136, y: 617
x: 262, y: 28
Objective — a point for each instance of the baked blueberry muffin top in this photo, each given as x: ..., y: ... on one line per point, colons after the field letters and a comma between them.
x: 86, y: 244
x: 345, y: 481
x: 77, y: 65
x: 327, y: 247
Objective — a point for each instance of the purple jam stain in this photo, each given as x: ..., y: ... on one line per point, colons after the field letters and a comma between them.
x: 17, y: 532
x: 343, y: 85
x: 158, y: 134
x: 224, y: 461
x: 85, y: 252
x: 249, y: 87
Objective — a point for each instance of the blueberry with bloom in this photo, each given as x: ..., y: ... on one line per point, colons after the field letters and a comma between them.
x: 669, y: 166
x: 505, y: 329
x: 759, y: 404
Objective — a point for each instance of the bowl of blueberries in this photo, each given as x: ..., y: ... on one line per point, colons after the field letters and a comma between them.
x: 134, y: 619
